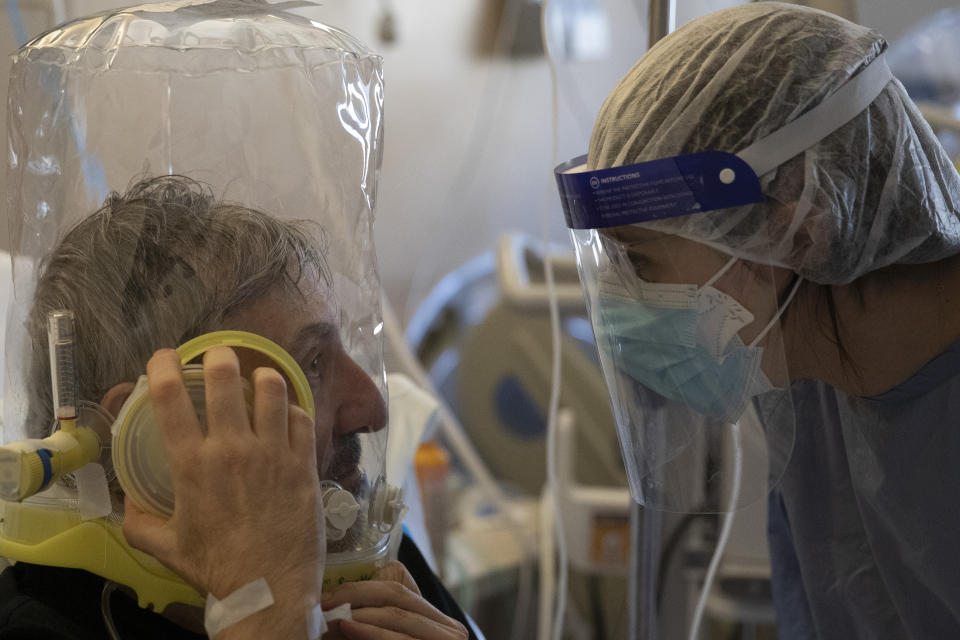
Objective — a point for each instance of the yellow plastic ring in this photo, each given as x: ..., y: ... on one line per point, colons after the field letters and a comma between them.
x: 246, y: 340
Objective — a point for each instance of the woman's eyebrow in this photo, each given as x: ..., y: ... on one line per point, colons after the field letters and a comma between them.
x: 634, y: 238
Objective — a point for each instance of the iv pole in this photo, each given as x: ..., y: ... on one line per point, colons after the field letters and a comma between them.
x: 663, y: 20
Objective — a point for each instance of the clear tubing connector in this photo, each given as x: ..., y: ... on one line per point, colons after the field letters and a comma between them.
x: 63, y: 373
x: 30, y: 466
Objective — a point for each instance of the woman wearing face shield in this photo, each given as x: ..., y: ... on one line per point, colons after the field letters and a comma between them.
x: 824, y: 310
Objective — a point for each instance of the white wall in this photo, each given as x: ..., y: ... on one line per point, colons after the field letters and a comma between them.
x: 36, y: 15
x: 468, y: 139
x: 893, y: 17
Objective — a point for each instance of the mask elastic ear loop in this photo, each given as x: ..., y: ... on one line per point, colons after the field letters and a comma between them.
x: 719, y: 274
x: 779, y: 312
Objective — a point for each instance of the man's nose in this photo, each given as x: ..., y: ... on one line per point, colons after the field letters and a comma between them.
x: 360, y: 406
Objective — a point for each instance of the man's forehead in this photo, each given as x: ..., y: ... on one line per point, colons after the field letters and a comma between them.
x: 290, y: 315
x: 323, y: 330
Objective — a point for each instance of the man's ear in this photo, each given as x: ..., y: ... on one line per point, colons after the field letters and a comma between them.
x: 114, y: 398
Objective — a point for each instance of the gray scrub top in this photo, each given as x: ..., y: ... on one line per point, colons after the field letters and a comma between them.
x: 864, y: 527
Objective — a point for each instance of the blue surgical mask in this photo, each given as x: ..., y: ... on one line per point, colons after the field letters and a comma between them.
x: 681, y: 342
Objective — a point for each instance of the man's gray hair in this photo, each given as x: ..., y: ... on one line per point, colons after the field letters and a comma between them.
x: 153, y: 268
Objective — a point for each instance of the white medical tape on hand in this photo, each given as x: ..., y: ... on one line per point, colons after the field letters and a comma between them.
x: 242, y: 603
x: 837, y: 109
x: 316, y: 623
x: 318, y: 620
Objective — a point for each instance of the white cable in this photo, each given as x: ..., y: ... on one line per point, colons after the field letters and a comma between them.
x: 724, y: 533
x: 455, y: 436
x: 108, y: 588
x: 546, y: 518
x: 524, y: 596
x: 561, y: 595
x: 449, y: 424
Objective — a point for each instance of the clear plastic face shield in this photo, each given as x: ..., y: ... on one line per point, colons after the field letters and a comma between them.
x: 177, y: 170
x: 689, y: 336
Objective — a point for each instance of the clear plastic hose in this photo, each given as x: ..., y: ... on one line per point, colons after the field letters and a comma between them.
x: 63, y: 372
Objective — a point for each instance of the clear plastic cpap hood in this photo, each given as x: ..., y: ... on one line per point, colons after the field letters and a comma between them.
x: 256, y: 107
x: 269, y: 109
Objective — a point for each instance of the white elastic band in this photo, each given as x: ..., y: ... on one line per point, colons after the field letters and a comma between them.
x: 779, y: 313
x: 720, y: 273
x: 839, y: 108
x: 242, y: 603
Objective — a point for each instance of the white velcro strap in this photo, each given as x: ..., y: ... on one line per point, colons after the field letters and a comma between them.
x: 837, y: 109
x: 242, y: 603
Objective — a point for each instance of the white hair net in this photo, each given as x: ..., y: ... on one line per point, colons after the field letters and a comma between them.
x: 877, y: 191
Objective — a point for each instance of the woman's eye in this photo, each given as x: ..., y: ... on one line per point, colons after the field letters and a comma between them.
x: 639, y: 263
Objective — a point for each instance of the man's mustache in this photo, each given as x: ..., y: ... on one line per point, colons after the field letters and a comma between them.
x: 342, y: 455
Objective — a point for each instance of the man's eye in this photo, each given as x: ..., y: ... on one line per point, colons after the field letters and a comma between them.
x: 315, y: 367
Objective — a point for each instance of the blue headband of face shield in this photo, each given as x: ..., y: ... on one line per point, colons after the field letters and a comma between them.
x: 707, y: 180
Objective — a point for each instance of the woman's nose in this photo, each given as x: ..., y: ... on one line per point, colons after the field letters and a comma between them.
x: 360, y: 407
